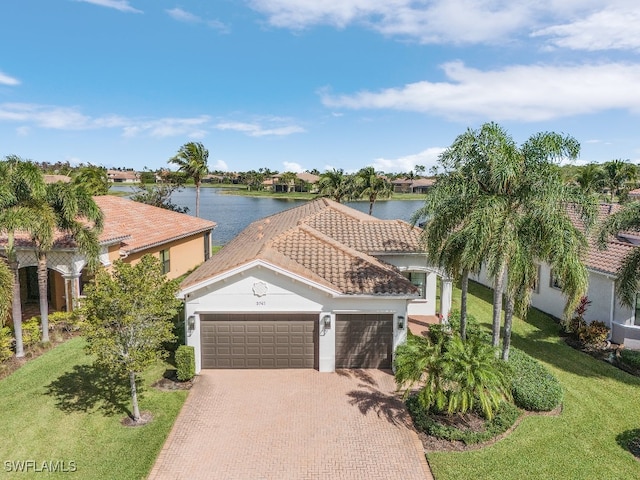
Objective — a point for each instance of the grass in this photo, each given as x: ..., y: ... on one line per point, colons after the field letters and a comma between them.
x: 58, y: 408
x: 600, y: 409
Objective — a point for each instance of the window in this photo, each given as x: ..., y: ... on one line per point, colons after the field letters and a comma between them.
x: 419, y: 279
x: 207, y: 246
x: 636, y: 319
x: 165, y: 260
x: 554, y: 281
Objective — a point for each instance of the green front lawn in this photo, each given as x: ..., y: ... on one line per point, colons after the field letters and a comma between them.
x: 601, y: 403
x: 56, y: 408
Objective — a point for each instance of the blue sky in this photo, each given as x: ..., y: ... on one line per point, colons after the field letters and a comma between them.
x: 302, y: 84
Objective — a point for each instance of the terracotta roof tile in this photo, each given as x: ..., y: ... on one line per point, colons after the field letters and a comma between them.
x: 325, y: 242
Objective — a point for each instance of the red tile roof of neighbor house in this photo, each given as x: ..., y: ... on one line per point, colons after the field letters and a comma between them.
x: 325, y: 242
x: 135, y: 226
x: 606, y: 260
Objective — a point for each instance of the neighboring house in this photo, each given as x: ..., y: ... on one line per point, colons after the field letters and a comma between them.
x: 57, y: 178
x: 634, y: 194
x: 210, y: 178
x: 126, y: 176
x: 305, y: 182
x: 131, y: 229
x: 318, y: 286
x: 408, y: 185
x: 602, y: 266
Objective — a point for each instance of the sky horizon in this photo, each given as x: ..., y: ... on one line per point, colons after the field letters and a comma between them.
x: 296, y: 85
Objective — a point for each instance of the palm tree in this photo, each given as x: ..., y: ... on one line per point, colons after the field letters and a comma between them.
x: 628, y: 275
x: 336, y: 184
x: 590, y: 177
x: 93, y: 178
x: 617, y: 174
x: 373, y: 186
x: 22, y: 190
x: 512, y: 212
x: 192, y: 160
x: 73, y: 212
x: 6, y: 289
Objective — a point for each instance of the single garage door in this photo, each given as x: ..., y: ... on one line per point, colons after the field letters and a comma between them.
x: 258, y: 340
x: 364, y: 340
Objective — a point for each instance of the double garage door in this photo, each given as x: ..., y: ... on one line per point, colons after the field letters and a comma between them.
x: 291, y: 340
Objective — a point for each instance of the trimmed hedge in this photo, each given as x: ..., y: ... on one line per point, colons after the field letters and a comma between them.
x: 533, y: 387
x: 504, y: 419
x: 185, y: 362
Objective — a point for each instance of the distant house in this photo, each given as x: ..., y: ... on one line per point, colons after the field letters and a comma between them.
x: 57, y: 178
x: 634, y: 194
x: 304, y: 182
x: 321, y: 285
x: 125, y: 176
x: 602, y: 266
x: 408, y: 185
x: 131, y: 230
x: 210, y: 178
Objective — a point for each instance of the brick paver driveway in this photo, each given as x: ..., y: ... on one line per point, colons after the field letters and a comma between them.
x: 292, y: 424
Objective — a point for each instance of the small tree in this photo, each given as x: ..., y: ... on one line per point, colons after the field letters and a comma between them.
x: 128, y: 318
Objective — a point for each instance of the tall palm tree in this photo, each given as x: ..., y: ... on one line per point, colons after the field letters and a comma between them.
x: 22, y: 190
x: 628, y: 275
x: 336, y: 185
x: 617, y: 174
x: 191, y: 159
x: 73, y: 212
x: 591, y: 178
x: 372, y: 185
x: 513, y: 214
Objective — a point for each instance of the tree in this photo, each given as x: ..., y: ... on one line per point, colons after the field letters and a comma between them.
x: 22, y: 191
x: 628, y: 274
x: 288, y: 179
x: 591, y: 178
x: 373, y: 186
x: 192, y: 160
x: 512, y: 213
x: 158, y: 195
x: 128, y: 316
x: 336, y: 185
x: 70, y: 210
x: 617, y: 174
x: 6, y: 289
x: 93, y: 178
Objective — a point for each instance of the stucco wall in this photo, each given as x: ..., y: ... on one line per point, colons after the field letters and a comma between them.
x: 286, y: 294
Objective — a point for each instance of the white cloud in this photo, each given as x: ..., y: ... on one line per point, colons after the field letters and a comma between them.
x: 23, y: 131
x: 292, y: 167
x: 427, y: 158
x: 121, y: 5
x: 68, y: 118
x: 220, y: 165
x: 520, y: 92
x: 183, y: 16
x: 257, y: 130
x: 7, y: 80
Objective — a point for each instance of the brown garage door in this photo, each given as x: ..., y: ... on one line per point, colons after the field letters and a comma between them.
x: 258, y: 340
x: 364, y: 340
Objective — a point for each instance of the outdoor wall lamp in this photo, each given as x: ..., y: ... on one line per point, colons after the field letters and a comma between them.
x: 400, y: 322
x: 191, y: 323
x: 326, y: 321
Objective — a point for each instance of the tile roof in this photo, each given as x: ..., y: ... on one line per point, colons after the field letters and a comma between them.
x: 608, y: 260
x: 326, y: 242
x: 135, y: 226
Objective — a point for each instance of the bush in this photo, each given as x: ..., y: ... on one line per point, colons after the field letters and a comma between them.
x: 594, y: 334
x: 6, y: 344
x: 185, y: 362
x: 31, y: 334
x: 630, y: 357
x: 533, y: 387
x: 64, y: 321
x: 426, y: 421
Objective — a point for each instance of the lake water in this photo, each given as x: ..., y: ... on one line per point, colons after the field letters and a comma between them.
x: 233, y: 213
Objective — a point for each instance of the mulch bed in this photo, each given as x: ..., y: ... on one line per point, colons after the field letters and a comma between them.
x: 170, y: 382
x: 145, y: 417
x: 473, y: 422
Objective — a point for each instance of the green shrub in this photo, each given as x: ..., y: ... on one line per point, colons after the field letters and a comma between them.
x: 185, y: 362
x: 533, y: 387
x: 31, y: 334
x: 6, y: 342
x: 425, y: 420
x: 594, y: 334
x: 64, y: 321
x: 630, y: 357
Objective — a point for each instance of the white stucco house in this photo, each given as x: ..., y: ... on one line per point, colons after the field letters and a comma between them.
x: 319, y: 286
x: 602, y: 266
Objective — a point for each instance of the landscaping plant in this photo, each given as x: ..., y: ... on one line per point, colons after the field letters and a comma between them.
x: 128, y: 316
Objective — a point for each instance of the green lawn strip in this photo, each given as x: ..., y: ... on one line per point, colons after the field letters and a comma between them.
x: 54, y: 409
x: 600, y: 403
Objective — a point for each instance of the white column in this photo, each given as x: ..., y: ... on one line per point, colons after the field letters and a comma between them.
x: 327, y: 342
x: 446, y: 293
